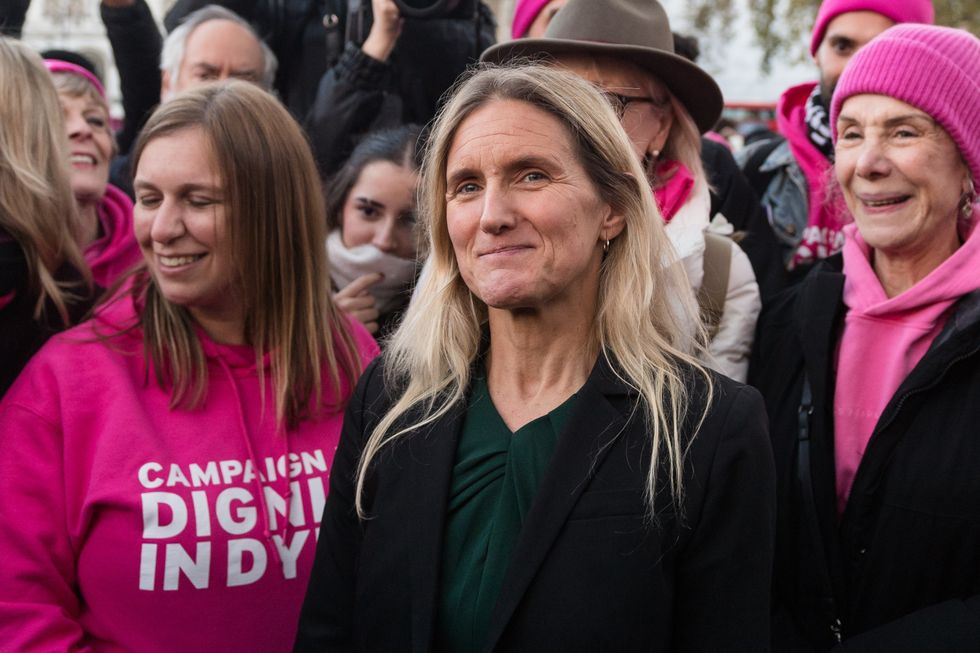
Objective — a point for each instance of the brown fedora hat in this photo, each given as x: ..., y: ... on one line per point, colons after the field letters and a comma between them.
x: 634, y: 30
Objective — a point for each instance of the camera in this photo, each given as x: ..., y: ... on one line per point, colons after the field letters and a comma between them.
x: 436, y: 8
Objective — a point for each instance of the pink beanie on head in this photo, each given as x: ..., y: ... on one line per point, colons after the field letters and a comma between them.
x: 524, y: 14
x: 900, y: 11
x: 933, y: 69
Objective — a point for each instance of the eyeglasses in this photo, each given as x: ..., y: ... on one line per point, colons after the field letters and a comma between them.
x: 622, y: 103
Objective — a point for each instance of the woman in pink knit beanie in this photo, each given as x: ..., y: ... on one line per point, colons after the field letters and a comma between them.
x: 871, y: 370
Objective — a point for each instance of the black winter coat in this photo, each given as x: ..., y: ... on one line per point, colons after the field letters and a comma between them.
x: 589, y: 571
x: 21, y: 335
x: 900, y: 571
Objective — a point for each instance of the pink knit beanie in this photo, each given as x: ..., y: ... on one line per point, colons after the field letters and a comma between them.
x: 524, y: 14
x: 931, y: 68
x: 900, y: 11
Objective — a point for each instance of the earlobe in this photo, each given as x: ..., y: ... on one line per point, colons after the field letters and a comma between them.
x: 612, y: 224
x: 164, y: 85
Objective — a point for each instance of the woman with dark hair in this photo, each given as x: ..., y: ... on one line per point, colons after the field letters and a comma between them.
x: 871, y: 368
x: 537, y: 462
x: 45, y: 285
x: 373, y: 244
x: 165, y: 463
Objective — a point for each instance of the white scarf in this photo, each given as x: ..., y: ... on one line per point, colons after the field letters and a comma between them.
x: 347, y: 264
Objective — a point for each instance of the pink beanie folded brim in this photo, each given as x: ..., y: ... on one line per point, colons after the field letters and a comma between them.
x: 900, y: 11
x: 931, y: 68
x: 524, y: 15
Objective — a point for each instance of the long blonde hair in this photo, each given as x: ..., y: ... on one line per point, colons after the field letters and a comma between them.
x: 37, y: 207
x: 276, y: 227
x: 646, y: 310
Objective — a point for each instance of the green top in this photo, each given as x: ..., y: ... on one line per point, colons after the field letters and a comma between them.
x: 495, y: 477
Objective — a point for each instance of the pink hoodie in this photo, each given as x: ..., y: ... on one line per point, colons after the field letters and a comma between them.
x: 117, y: 250
x: 884, y: 339
x: 126, y: 525
x: 822, y: 235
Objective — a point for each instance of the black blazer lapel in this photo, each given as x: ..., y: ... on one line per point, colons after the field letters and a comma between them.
x: 592, y: 427
x: 429, y: 472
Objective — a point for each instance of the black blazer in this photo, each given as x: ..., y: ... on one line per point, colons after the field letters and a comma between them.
x: 590, y: 572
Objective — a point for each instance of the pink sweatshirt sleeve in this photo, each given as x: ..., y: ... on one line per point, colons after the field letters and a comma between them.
x: 38, y: 603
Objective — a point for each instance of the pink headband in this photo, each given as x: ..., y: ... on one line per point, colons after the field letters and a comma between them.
x: 58, y: 66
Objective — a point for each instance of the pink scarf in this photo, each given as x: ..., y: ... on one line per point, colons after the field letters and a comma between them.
x: 672, y: 194
x: 117, y: 250
x: 827, y: 215
x: 885, y: 338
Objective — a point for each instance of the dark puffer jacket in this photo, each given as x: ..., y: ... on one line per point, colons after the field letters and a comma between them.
x: 361, y: 94
x: 900, y: 570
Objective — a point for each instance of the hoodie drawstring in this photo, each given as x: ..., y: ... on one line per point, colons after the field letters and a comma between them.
x: 257, y: 480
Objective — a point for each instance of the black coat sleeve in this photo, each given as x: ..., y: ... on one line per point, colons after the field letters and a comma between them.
x: 136, y: 45
x: 348, y: 101
x: 723, y: 576
x: 12, y: 15
x: 325, y: 621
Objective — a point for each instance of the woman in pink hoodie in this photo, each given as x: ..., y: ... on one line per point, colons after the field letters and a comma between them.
x: 106, y: 213
x: 871, y: 369
x: 164, y: 465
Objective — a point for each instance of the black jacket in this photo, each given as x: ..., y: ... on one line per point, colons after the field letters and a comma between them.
x: 136, y: 45
x: 21, y: 335
x: 902, y: 570
x: 589, y: 572
x: 12, y: 15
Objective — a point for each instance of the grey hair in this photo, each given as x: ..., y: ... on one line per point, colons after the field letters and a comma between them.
x: 174, y: 45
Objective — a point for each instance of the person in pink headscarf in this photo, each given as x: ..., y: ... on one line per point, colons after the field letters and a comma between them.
x: 106, y: 213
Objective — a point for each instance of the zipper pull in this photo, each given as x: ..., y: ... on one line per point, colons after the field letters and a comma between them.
x: 836, y: 629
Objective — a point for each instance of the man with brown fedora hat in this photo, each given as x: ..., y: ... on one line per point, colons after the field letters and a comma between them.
x: 664, y: 102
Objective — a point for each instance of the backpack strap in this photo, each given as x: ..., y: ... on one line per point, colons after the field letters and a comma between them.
x: 714, y: 285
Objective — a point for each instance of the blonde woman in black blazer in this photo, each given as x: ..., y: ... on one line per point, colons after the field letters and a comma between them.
x: 538, y: 462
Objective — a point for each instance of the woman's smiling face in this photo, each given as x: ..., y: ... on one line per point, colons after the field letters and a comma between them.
x: 90, y: 145
x: 181, y: 224
x: 901, y: 174
x: 525, y: 220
